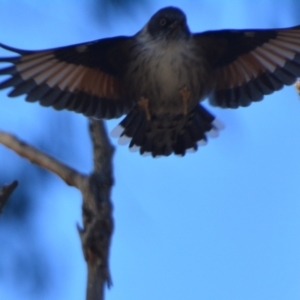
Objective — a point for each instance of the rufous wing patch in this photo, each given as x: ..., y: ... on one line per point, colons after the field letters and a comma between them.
x: 267, y: 67
x: 44, y: 68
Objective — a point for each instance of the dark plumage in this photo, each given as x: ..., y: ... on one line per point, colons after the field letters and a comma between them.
x: 158, y: 77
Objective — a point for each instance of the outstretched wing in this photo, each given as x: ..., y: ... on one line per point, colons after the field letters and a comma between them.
x: 85, y: 78
x: 248, y: 64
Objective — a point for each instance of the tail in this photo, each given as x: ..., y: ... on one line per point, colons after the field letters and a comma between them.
x: 167, y: 134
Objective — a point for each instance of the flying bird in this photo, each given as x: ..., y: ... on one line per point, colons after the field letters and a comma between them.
x: 158, y: 77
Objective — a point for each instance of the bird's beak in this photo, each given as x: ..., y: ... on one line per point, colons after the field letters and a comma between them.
x: 176, y: 25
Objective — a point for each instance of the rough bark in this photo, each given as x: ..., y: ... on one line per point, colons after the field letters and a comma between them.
x: 97, y: 207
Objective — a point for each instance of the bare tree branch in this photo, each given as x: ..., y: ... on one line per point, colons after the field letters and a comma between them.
x: 66, y: 173
x: 5, y: 193
x: 97, y: 212
x: 97, y: 207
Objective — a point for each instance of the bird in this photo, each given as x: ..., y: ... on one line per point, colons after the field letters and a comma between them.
x: 158, y: 78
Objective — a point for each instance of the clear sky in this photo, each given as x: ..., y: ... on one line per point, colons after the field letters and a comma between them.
x: 222, y: 223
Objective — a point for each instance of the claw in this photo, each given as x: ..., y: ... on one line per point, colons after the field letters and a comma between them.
x: 186, y: 94
x: 144, y: 105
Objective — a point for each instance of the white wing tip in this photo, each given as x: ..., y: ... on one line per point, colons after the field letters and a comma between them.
x: 202, y: 142
x: 134, y: 148
x: 117, y: 131
x: 218, y: 125
x: 124, y: 140
x: 190, y: 150
x: 146, y: 154
x: 213, y: 133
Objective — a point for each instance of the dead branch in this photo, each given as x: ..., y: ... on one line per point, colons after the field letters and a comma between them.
x: 66, y: 173
x: 97, y: 212
x: 5, y: 193
x: 97, y: 207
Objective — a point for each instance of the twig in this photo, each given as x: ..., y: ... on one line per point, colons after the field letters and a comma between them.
x: 66, y: 173
x: 97, y: 207
x: 5, y: 193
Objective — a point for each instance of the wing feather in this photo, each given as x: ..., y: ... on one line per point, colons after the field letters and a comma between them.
x: 248, y: 64
x: 86, y: 78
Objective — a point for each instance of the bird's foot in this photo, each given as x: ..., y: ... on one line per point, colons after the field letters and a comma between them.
x: 185, y: 94
x: 144, y: 105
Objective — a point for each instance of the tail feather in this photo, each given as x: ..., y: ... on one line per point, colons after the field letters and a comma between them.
x: 167, y: 134
x: 138, y: 138
x: 132, y: 125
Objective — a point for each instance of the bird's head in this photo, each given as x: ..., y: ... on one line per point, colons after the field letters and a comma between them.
x: 168, y: 24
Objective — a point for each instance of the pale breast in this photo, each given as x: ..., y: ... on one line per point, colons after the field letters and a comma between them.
x: 160, y: 70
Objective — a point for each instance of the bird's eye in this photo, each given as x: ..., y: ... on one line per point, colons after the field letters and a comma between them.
x: 162, y: 22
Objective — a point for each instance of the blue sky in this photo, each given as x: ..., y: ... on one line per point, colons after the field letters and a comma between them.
x: 222, y: 223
